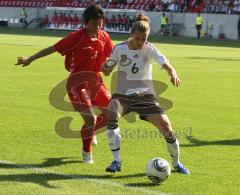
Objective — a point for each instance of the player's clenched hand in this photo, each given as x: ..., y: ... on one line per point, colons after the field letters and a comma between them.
x: 175, y: 80
x: 24, y: 61
x: 105, y: 71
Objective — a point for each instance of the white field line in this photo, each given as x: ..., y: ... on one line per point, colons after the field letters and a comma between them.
x: 84, y: 179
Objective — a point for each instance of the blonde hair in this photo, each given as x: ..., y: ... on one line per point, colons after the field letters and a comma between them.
x: 141, y: 23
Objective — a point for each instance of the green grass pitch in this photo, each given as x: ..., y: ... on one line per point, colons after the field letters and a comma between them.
x: 34, y: 159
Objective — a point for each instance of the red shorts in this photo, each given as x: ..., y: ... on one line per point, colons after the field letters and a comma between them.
x: 82, y: 98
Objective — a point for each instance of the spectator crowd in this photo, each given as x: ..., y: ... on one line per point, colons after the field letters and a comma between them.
x: 206, y: 6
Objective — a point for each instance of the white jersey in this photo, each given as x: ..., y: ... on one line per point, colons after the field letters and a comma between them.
x: 134, y: 68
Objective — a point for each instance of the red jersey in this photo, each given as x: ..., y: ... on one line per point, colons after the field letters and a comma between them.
x: 83, y: 53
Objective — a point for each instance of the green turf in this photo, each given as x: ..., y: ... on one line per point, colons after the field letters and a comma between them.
x: 205, y: 115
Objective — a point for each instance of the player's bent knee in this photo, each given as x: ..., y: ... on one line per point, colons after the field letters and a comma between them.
x: 90, y: 121
x: 170, y: 137
x: 115, y: 108
x: 112, y: 124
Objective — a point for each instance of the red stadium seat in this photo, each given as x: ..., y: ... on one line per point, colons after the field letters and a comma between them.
x: 137, y: 2
x: 135, y: 6
x: 145, y: 2
x: 84, y: 4
x: 143, y: 7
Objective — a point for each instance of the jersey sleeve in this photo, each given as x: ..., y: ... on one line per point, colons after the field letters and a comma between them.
x: 156, y: 55
x: 66, y: 44
x: 113, y: 60
x: 108, y: 46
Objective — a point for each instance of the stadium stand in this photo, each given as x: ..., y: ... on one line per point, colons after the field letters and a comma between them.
x: 148, y: 5
x: 205, y: 6
x: 222, y: 7
x: 28, y: 3
x: 71, y: 20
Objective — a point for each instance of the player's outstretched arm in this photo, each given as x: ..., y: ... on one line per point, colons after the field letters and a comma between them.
x: 25, y: 61
x: 173, y: 74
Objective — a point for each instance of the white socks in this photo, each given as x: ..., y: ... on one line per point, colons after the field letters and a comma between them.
x: 114, y: 141
x: 173, y: 149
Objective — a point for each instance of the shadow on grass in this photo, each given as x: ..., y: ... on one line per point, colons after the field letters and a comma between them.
x: 39, y: 179
x: 43, y: 179
x: 129, y: 176
x: 49, y: 162
x: 46, y: 176
x: 120, y: 37
x: 142, y: 184
x: 196, y: 142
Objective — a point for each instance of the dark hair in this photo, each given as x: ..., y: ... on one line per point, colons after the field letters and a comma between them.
x: 93, y: 12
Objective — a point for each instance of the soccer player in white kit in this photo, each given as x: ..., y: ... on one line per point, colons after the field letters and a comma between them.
x: 135, y: 91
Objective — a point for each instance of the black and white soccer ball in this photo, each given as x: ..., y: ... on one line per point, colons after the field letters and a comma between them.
x: 158, y: 170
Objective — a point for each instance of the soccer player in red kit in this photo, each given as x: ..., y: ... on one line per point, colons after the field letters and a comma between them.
x: 85, y: 51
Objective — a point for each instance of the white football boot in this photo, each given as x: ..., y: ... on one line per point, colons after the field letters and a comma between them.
x: 87, y: 157
x: 94, y: 142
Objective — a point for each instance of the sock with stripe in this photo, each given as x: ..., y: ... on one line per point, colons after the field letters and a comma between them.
x: 114, y: 141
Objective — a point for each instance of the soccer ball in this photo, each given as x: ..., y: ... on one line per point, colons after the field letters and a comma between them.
x: 158, y: 170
